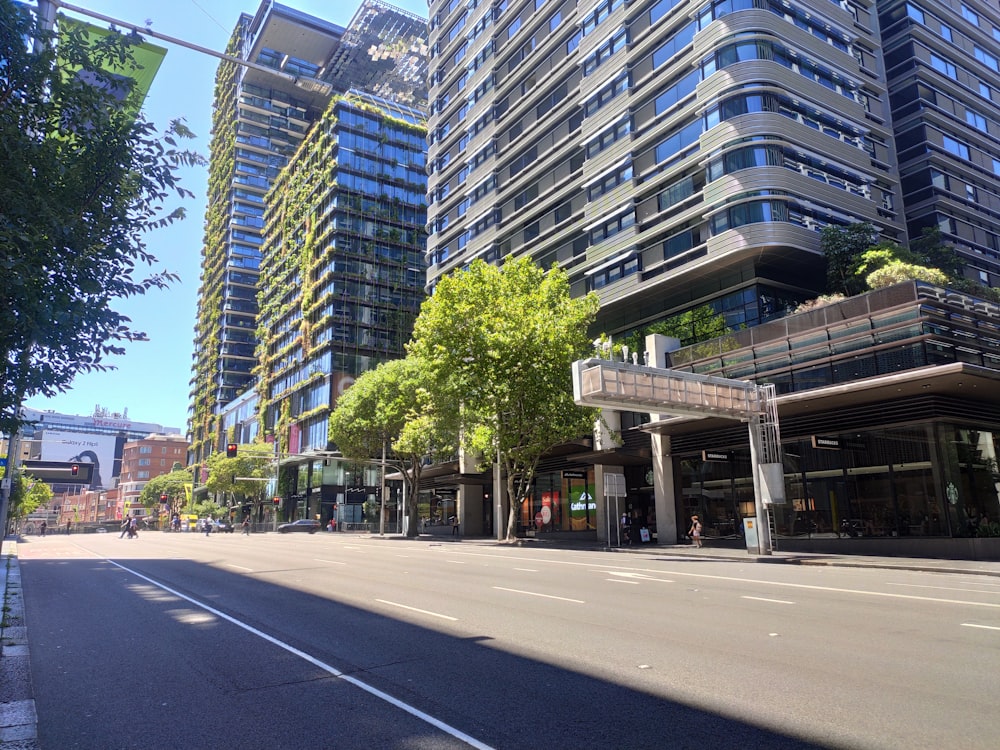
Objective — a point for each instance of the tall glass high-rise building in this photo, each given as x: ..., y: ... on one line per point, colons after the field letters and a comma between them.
x: 259, y: 122
x: 671, y: 155
x: 942, y: 66
x: 344, y: 257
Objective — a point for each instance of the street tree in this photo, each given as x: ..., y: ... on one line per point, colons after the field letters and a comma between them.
x: 244, y: 479
x: 27, y: 495
x: 388, y: 412
x: 85, y: 177
x: 498, y: 344
x: 176, y: 486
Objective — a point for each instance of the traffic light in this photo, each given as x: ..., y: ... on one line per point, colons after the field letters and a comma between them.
x: 74, y: 469
x: 231, y: 450
x: 164, y: 497
x: 277, y: 501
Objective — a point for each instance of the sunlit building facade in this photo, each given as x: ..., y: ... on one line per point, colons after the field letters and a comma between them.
x: 261, y: 115
x: 671, y: 156
x: 943, y: 72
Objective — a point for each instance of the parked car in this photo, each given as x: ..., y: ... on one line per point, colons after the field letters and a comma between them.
x: 222, y: 525
x: 303, y: 524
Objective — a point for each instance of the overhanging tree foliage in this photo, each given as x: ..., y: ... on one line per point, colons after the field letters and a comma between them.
x: 82, y: 179
x: 498, y: 344
x: 176, y: 486
x: 243, y: 479
x: 389, y: 410
x: 27, y: 495
x: 843, y: 247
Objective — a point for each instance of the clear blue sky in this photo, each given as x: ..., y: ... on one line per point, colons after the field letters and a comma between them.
x: 151, y: 379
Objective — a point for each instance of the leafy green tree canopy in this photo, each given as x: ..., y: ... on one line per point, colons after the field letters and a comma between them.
x: 84, y: 178
x: 27, y: 495
x: 242, y: 478
x: 176, y: 486
x: 498, y: 344
x: 389, y: 410
x: 843, y: 247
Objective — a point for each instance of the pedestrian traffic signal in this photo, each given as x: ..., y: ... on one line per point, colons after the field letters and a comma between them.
x: 164, y: 497
x: 277, y: 501
x: 74, y: 469
x: 231, y: 450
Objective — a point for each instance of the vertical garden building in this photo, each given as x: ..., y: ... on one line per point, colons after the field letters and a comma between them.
x: 344, y: 252
x: 261, y: 115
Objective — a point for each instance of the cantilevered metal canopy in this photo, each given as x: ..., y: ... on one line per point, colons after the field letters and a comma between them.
x: 620, y: 385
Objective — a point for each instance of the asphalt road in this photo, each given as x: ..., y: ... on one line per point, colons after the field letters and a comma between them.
x: 341, y: 641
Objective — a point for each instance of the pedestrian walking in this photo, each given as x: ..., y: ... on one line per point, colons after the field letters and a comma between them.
x: 133, y: 528
x: 208, y: 526
x: 68, y: 524
x: 246, y: 526
x: 125, y: 529
x: 626, y: 525
x: 44, y: 526
x: 454, y: 526
x: 695, y: 531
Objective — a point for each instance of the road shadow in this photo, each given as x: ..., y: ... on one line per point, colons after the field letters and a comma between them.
x: 503, y: 699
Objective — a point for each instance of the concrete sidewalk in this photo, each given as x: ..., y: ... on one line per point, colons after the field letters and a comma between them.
x: 18, y: 721
x: 739, y: 554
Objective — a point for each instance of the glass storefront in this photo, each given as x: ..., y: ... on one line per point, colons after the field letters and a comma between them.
x: 914, y: 481
x: 561, y: 501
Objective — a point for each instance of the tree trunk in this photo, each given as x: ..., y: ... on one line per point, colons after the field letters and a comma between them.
x: 412, y: 511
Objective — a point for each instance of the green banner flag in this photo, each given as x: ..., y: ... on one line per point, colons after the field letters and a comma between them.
x: 148, y: 57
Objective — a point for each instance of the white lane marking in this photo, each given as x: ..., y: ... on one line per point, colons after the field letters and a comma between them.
x: 527, y: 570
x: 434, y: 722
x: 641, y: 576
x: 983, y: 627
x: 456, y: 562
x: 762, y: 599
x: 708, y: 576
x: 544, y: 596
x: 619, y: 580
x: 329, y: 562
x: 943, y: 588
x: 414, y: 609
x: 238, y: 567
x: 979, y: 582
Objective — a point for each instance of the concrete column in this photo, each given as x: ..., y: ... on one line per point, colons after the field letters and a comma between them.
x: 606, y: 516
x: 664, y: 494
x: 470, y: 504
x: 658, y: 348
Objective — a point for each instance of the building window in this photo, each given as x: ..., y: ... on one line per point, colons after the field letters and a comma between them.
x: 970, y: 15
x: 944, y: 66
x: 610, y: 181
x: 915, y: 13
x: 975, y: 119
x: 990, y: 61
x: 604, y: 53
x: 956, y: 147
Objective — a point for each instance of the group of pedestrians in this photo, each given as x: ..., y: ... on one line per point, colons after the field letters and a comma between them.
x: 44, y: 526
x: 130, y: 526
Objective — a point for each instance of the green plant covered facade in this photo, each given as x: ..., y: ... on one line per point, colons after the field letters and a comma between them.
x: 344, y: 245
x: 258, y: 123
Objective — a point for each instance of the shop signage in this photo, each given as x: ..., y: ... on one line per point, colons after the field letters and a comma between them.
x: 574, y: 475
x: 826, y: 443
x: 716, y: 455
